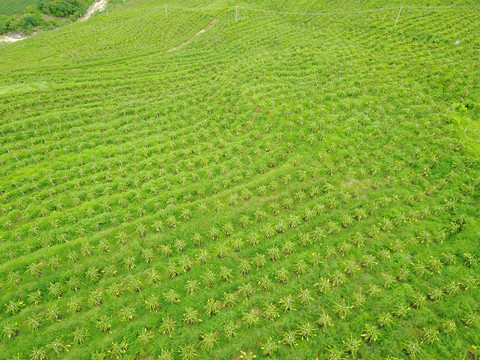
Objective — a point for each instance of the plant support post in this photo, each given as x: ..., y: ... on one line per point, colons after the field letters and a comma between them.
x: 398, y: 16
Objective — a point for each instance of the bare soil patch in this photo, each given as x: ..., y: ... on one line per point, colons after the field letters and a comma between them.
x: 208, y: 27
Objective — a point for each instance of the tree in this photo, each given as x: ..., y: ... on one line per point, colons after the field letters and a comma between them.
x: 14, y: 278
x: 334, y: 353
x: 14, y: 306
x: 34, y: 270
x: 287, y: 303
x: 39, y: 354
x: 208, y: 278
x: 300, y: 268
x: 58, y: 347
x: 74, y: 305
x: 265, y: 283
x: 73, y: 283
x: 338, y: 278
x: 129, y: 262
x: 449, y: 327
x: 141, y: 230
x: 127, y: 313
x: 471, y: 320
x: 35, y: 297
x: 246, y: 290
x: 289, y: 338
x: 230, y: 329
x: 95, y: 298
x: 192, y: 287
x: 358, y: 300
x: 270, y: 312
x: 370, y: 333
x: 103, y: 324
x: 221, y: 251
x: 429, y: 335
x: 273, y: 253
x: 79, y: 335
x: 53, y: 313
x: 135, y: 284
x: 167, y: 326
x: 171, y: 297
x: 188, y: 352
x: 342, y: 309
x: 305, y: 330
x: 247, y: 355
x: 92, y: 274
x: 250, y: 319
x: 384, y: 319
x: 10, y: 330
x: 412, y: 349
x: 229, y: 299
x: 191, y: 317
x: 147, y: 254
x: 172, y: 270
x: 114, y: 290
x: 208, y: 341
x: 324, y: 320
x: 110, y: 270
x: 269, y: 347
x: 244, y: 267
x: 118, y: 349
x: 145, y: 336
x: 418, y: 300
x: 55, y: 290
x: 435, y: 294
x: 33, y: 323
x: 352, y: 345
x: 225, y: 273
x: 323, y: 285
x: 305, y: 296
x: 282, y: 276
x: 165, y: 355
x: 152, y: 303
x: 212, y: 307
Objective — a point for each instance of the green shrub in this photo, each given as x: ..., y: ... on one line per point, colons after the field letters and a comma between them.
x: 28, y: 20
x: 4, y: 24
x: 51, y: 24
x: 62, y: 8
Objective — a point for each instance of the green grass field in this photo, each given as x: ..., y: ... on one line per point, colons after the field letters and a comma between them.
x: 284, y: 186
x: 10, y: 7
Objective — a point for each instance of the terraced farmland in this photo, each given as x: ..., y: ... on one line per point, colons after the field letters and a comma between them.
x: 299, y: 181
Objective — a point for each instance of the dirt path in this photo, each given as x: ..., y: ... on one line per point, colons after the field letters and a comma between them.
x: 7, y: 39
x: 97, y: 6
x: 209, y: 26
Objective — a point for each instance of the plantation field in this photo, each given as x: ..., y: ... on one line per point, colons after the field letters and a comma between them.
x: 301, y: 180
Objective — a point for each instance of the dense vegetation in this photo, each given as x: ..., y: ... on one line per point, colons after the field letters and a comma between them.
x: 284, y: 186
x: 29, y: 15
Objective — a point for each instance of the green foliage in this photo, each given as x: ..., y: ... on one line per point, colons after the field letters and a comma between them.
x: 61, y: 8
x: 28, y: 15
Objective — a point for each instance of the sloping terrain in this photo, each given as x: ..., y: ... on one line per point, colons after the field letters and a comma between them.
x: 299, y: 181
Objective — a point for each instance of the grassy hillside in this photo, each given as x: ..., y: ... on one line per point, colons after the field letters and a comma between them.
x: 287, y: 186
